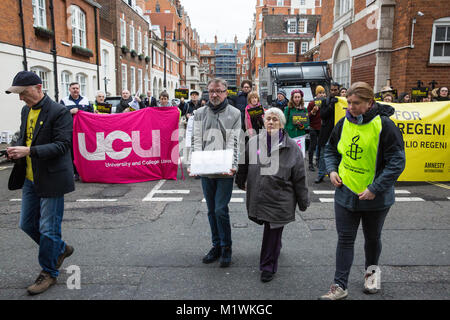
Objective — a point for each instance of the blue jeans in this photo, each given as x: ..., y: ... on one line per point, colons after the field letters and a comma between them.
x: 347, y: 223
x: 41, y: 219
x: 322, y: 168
x: 217, y: 192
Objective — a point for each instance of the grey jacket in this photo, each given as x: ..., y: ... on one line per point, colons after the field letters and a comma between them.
x: 217, y: 131
x: 273, y: 197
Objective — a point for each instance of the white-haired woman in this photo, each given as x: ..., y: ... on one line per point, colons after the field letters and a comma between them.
x: 99, y: 98
x: 275, y: 180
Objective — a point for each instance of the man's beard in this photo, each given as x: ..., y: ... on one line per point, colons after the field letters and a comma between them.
x: 215, y: 101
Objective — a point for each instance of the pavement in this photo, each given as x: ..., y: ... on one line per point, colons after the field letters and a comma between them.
x: 145, y: 242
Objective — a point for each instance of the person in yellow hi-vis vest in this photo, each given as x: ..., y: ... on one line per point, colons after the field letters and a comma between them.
x: 364, y: 157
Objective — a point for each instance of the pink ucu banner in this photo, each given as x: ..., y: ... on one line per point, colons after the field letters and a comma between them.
x: 127, y: 147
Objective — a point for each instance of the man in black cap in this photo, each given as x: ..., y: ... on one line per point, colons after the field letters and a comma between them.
x: 43, y: 170
x: 193, y: 104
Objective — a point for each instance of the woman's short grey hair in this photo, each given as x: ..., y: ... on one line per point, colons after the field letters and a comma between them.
x: 100, y: 92
x: 278, y: 113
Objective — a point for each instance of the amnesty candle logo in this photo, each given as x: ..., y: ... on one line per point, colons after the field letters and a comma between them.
x: 354, y: 149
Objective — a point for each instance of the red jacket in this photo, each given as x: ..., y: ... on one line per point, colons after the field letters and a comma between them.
x: 314, y: 120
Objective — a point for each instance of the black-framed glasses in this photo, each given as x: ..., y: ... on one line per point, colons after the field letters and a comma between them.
x: 216, y: 91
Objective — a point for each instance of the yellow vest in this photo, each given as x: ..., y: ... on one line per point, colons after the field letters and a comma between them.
x: 358, y: 147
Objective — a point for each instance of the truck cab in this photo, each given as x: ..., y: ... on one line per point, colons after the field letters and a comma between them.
x: 290, y: 76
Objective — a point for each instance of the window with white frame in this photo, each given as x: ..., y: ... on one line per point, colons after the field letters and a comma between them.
x: 260, y: 17
x: 440, y: 41
x: 291, y: 47
x: 66, y: 80
x: 82, y: 80
x: 132, y: 44
x: 302, y: 25
x: 154, y: 57
x: 146, y: 83
x: 292, y: 26
x: 280, y: 3
x: 39, y: 13
x: 342, y: 7
x: 145, y: 44
x: 302, y: 2
x: 124, y: 77
x: 304, y: 47
x: 238, y: 60
x: 259, y: 52
x: 105, y: 63
x: 243, y: 69
x: 341, y: 66
x: 261, y: 2
x: 139, y: 84
x: 132, y: 80
x: 139, y: 42
x: 123, y: 33
x: 78, y: 26
x: 44, y: 75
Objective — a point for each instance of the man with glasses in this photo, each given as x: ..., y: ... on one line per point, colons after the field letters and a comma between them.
x: 217, y: 127
x: 240, y: 101
x: 43, y: 170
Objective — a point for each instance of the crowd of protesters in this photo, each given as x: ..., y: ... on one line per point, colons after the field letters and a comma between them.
x: 43, y: 166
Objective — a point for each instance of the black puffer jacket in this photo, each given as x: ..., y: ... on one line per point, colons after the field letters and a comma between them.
x: 390, y: 162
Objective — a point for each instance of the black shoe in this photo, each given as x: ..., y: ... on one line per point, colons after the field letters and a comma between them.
x: 267, y: 276
x: 212, y: 255
x: 225, y: 257
x: 76, y: 177
x: 318, y: 180
x: 311, y: 167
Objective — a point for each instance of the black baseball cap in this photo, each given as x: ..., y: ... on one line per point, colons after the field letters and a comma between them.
x: 194, y: 92
x: 22, y: 80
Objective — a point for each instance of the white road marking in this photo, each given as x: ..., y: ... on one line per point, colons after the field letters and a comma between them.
x: 15, y: 200
x: 156, y: 190
x: 165, y: 200
x: 326, y: 200
x: 233, y: 200
x: 413, y: 199
x: 96, y: 200
x: 332, y: 192
x: 239, y: 191
x: 173, y: 191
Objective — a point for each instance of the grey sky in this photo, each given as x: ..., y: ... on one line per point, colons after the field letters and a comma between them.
x: 226, y: 18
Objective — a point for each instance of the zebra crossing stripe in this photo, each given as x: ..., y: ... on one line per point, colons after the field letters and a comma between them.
x: 332, y: 192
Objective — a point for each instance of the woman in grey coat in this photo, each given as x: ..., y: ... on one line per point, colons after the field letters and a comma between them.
x: 275, y: 180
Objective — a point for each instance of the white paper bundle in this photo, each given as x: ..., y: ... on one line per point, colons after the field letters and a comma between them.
x: 211, y: 162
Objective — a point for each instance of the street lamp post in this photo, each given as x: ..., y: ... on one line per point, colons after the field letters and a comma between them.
x: 165, y: 52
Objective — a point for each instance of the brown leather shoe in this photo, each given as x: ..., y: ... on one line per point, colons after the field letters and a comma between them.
x: 67, y: 253
x: 42, y: 283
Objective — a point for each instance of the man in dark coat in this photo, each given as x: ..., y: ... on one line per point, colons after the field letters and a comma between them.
x: 327, y: 116
x: 282, y: 101
x: 43, y: 169
x: 240, y: 101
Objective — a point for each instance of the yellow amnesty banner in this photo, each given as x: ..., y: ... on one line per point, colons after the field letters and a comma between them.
x: 426, y: 133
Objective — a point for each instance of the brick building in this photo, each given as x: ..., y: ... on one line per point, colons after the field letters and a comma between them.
x: 386, y: 41
x: 172, y: 13
x: 268, y: 8
x: 58, y: 42
x: 207, y: 65
x: 124, y: 25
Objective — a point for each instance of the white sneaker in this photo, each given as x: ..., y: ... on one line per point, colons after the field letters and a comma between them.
x: 371, y: 282
x: 335, y: 293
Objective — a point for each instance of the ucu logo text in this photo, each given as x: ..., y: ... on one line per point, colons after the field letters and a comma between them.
x: 105, y: 146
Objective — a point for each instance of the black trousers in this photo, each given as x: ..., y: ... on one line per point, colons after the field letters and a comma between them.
x: 347, y: 223
x: 313, y: 138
